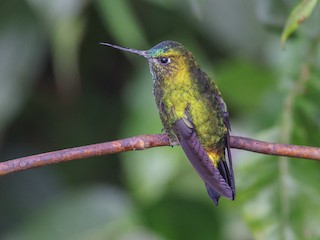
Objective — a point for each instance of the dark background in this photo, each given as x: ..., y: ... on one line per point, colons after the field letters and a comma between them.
x: 59, y: 88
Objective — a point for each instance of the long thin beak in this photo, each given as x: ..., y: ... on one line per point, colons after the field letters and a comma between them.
x: 138, y: 52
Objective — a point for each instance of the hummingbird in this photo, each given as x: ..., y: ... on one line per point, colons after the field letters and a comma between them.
x: 193, y: 114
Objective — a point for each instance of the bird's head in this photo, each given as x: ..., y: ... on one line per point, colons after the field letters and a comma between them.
x: 166, y: 59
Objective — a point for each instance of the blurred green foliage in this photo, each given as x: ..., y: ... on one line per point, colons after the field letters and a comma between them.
x: 298, y: 15
x: 59, y: 88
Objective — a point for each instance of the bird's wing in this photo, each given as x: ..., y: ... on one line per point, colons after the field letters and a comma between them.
x: 225, y: 116
x: 206, y: 83
x: 215, y: 178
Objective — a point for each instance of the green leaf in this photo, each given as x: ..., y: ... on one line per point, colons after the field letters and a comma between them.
x: 298, y: 15
x: 22, y: 47
x: 65, y: 26
x: 119, y: 18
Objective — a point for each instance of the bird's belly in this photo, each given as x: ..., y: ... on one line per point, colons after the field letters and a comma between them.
x: 204, y: 114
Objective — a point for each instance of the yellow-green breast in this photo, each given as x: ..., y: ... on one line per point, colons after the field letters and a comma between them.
x: 183, y: 92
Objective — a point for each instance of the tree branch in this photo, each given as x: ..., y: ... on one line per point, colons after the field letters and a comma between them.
x: 144, y: 142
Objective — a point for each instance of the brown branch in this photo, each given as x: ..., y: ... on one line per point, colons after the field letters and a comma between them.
x: 144, y: 142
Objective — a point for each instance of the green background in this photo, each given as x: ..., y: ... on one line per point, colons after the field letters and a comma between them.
x: 59, y: 88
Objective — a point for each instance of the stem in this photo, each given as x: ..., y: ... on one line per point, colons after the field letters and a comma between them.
x: 285, y: 138
x: 144, y: 142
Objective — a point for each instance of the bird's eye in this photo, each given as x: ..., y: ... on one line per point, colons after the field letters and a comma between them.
x: 165, y: 60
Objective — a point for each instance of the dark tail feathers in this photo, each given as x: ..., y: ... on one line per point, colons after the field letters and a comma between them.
x: 213, y: 194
